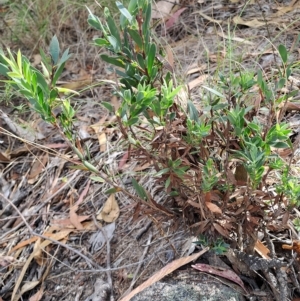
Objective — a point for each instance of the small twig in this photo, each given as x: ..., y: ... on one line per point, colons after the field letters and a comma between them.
x: 121, y: 267
x: 134, y: 279
x: 44, y: 203
x: 294, y: 279
x: 143, y: 230
x: 269, y: 244
x: 271, y: 281
x: 33, y: 233
x: 108, y: 269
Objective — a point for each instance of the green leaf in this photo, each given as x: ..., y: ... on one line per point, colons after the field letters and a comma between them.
x: 113, y: 60
x: 112, y: 190
x: 139, y: 189
x: 136, y: 37
x: 58, y: 73
x: 214, y: 91
x: 113, y: 29
x: 42, y: 82
x: 64, y: 57
x: 101, y: 42
x: 150, y: 58
x: 54, y: 50
x: 108, y: 106
x: 132, y: 6
x: 168, y: 182
x: 132, y: 121
x: 124, y: 11
x: 45, y: 60
x: 280, y: 145
x: 281, y: 83
x: 95, y: 22
x: 162, y: 172
x: 114, y: 43
x: 147, y: 19
x: 259, y: 78
x: 19, y: 60
x: 192, y: 111
x: 283, y: 53
x: 53, y: 94
x: 97, y: 179
x: 3, y: 70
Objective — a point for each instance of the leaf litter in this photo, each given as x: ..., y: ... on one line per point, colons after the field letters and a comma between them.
x: 47, y: 198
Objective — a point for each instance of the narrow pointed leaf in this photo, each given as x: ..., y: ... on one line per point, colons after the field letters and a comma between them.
x: 54, y: 50
x: 114, y: 61
x: 139, y: 189
x: 151, y: 57
x: 124, y: 11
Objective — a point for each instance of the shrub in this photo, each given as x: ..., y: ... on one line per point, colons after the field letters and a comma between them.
x: 216, y: 162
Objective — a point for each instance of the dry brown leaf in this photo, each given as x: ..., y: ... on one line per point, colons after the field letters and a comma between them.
x: 110, y: 211
x: 230, y: 176
x: 262, y: 250
x: 102, y: 142
x: 162, y: 9
x: 83, y: 81
x: 221, y: 230
x: 74, y: 218
x: 169, y: 56
x: 284, y: 9
x: 142, y: 167
x: 241, y: 174
x: 28, y: 286
x: 213, y: 208
x: 22, y: 244
x: 207, y: 17
x: 38, y: 295
x: 115, y: 102
x: 37, y: 167
x: 197, y: 82
x: 38, y: 253
x: 194, y: 204
x: 23, y: 271
x: 62, y: 234
x: 36, y: 60
x: 6, y: 260
x: 123, y: 160
x: 174, y: 17
x: 228, y: 274
x: 254, y: 23
x: 169, y: 268
x: 237, y: 39
x: 66, y: 222
x: 193, y: 69
x: 99, y: 129
x: 295, y: 246
x: 57, y: 236
x: 4, y: 157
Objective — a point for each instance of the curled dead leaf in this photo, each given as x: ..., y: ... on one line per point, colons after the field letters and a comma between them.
x: 228, y: 274
x: 6, y: 260
x: 110, y: 211
x: 213, y: 208
x: 162, y: 9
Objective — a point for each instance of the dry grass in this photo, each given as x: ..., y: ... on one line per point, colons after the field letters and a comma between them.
x: 31, y: 25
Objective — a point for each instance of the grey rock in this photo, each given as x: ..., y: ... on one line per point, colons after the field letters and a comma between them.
x: 182, y: 291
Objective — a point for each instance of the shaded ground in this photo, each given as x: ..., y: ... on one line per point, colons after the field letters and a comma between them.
x: 37, y: 178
